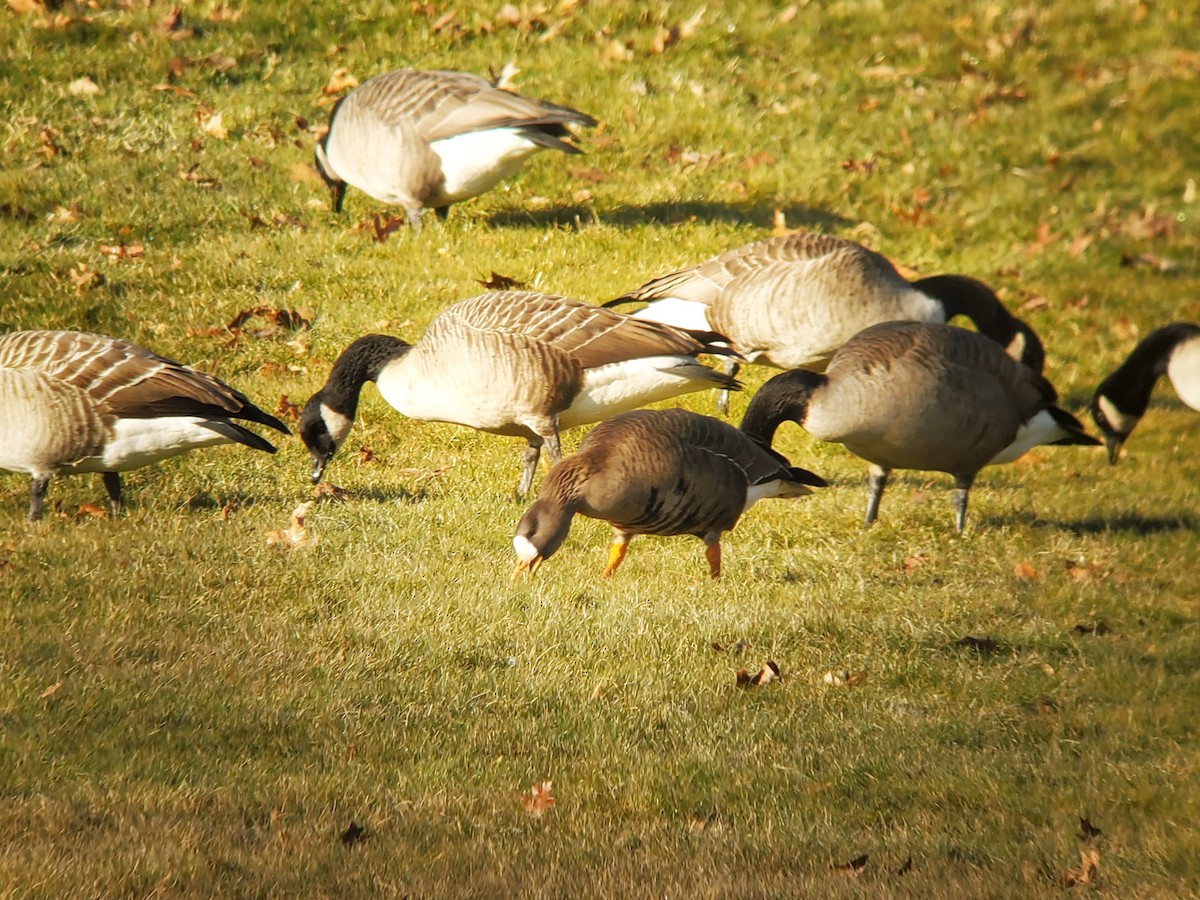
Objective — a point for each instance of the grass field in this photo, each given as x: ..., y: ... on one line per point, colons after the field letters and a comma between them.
x: 188, y: 710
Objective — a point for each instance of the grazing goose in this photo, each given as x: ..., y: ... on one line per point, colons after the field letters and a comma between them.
x: 791, y: 301
x: 75, y: 402
x: 656, y: 472
x: 916, y: 395
x: 429, y: 139
x: 1122, y: 398
x: 516, y: 363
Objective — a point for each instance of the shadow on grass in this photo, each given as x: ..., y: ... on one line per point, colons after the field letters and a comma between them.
x: 761, y: 214
x: 1121, y: 523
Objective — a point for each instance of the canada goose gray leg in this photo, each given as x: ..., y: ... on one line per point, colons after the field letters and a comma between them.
x: 112, y: 484
x: 414, y: 219
x: 876, y: 482
x: 529, y: 467
x: 962, y: 487
x: 37, y: 496
x: 730, y: 367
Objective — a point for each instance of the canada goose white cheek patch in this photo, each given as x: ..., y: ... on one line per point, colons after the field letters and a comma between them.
x: 1117, y: 420
x: 336, y: 424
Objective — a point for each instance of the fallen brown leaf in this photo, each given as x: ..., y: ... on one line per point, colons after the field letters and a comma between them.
x: 366, y: 456
x: 498, y: 282
x: 1089, y: 867
x: 765, y: 675
x: 297, y: 534
x: 354, y: 834
x: 1088, y: 831
x: 980, y: 644
x: 339, y: 80
x: 853, y: 867
x: 286, y: 409
x: 538, y: 800
x: 330, y: 490
x: 92, y: 510
x: 419, y: 475
x: 50, y: 691
x: 1025, y: 571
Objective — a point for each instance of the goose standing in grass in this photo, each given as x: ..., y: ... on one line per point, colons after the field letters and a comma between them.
x: 661, y: 472
x: 518, y: 363
x: 915, y: 395
x: 1122, y: 398
x: 76, y: 402
x: 791, y: 301
x: 429, y: 139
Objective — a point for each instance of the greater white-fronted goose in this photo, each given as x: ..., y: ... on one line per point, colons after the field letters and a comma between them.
x: 791, y: 301
x: 660, y: 472
x: 517, y: 363
x: 77, y: 402
x: 1122, y: 398
x: 422, y: 139
x: 915, y: 395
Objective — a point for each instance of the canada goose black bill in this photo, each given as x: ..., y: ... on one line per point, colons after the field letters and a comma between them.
x: 76, y: 402
x: 912, y: 395
x: 1123, y: 397
x: 660, y: 472
x: 421, y: 139
x: 516, y: 363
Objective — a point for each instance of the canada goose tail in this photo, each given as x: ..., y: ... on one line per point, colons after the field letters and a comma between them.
x: 1074, y: 432
x: 803, y: 476
x: 252, y: 413
x: 238, y: 435
x: 717, y: 379
x: 549, y: 137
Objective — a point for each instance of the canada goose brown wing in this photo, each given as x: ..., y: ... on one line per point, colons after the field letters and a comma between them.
x: 443, y: 104
x: 126, y: 380
x: 648, y: 475
x: 590, y: 335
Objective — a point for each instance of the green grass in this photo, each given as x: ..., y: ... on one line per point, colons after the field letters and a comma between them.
x: 186, y: 710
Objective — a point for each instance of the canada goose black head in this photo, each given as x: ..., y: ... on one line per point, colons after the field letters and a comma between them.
x: 541, y: 532
x: 783, y: 398
x: 329, y: 414
x: 1123, y: 397
x: 961, y: 295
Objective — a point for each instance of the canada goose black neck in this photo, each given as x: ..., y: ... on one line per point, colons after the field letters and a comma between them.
x: 1129, y: 387
x: 961, y: 295
x: 783, y: 398
x: 359, y: 363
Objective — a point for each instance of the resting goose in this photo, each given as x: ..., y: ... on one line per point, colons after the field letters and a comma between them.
x: 791, y: 301
x: 1122, y: 398
x: 429, y: 139
x: 76, y: 402
x: 517, y: 363
x: 917, y: 395
x: 658, y: 472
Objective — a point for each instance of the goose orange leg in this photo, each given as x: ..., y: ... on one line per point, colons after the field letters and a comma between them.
x: 712, y: 552
x: 616, y: 553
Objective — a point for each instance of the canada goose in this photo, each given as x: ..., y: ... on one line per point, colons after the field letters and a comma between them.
x: 76, y: 402
x: 791, y: 301
x: 917, y: 395
x: 428, y: 139
x: 1122, y: 398
x: 656, y: 472
x: 516, y: 363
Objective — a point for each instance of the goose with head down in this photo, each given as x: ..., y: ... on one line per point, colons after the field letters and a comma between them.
x: 422, y: 139
x: 660, y: 472
x: 1123, y: 397
x: 916, y: 395
x: 517, y: 363
x: 791, y: 301
x: 77, y: 402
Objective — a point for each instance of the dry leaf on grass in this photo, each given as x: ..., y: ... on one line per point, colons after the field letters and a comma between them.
x: 339, y: 80
x: 845, y: 678
x: 92, y: 510
x: 332, y: 491
x: 1089, y: 867
x: 498, y: 282
x: 1088, y: 831
x: 419, y: 475
x: 1025, y: 571
x: 978, y: 643
x: 50, y: 691
x: 853, y: 867
x: 765, y: 675
x: 538, y: 800
x: 286, y: 409
x: 297, y: 534
x: 354, y: 834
